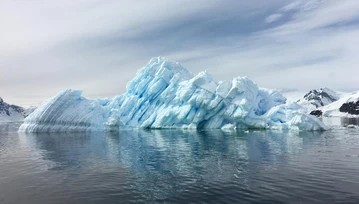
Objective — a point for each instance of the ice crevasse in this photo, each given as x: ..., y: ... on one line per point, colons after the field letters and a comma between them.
x: 163, y: 94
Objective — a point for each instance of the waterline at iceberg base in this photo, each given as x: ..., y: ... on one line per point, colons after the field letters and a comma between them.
x: 163, y: 94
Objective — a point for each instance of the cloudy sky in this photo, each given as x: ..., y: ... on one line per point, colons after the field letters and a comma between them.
x: 97, y: 45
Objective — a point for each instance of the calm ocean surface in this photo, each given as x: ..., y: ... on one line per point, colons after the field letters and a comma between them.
x: 174, y: 166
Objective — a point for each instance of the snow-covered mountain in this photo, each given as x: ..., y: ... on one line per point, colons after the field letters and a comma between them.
x: 325, y: 102
x: 164, y: 94
x: 351, y: 106
x: 311, y: 100
x: 12, y: 113
x: 319, y: 97
x: 346, y: 106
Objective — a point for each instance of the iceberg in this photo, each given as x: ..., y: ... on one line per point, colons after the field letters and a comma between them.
x: 163, y: 94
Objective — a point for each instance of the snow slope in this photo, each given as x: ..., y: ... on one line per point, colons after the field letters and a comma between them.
x: 332, y: 109
x: 165, y: 95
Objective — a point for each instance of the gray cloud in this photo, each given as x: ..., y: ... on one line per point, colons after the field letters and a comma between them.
x: 97, y: 46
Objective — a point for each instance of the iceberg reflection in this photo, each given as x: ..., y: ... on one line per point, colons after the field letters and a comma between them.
x: 160, y: 164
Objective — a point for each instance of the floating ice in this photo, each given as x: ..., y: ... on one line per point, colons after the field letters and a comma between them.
x: 165, y: 95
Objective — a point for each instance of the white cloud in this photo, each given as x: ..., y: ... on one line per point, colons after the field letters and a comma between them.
x: 274, y: 17
x: 302, y: 5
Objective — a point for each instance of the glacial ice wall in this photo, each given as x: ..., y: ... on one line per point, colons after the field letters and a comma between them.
x: 163, y: 94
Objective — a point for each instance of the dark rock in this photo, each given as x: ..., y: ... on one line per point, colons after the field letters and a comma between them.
x: 350, y: 107
x: 317, y: 113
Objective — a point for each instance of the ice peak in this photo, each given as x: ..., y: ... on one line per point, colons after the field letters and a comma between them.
x: 205, y: 81
x: 162, y: 66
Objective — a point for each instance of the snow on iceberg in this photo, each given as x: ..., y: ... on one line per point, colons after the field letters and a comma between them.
x: 165, y: 95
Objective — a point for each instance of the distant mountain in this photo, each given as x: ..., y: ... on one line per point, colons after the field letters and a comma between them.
x: 325, y: 102
x: 12, y: 113
x: 311, y: 100
x: 319, y: 97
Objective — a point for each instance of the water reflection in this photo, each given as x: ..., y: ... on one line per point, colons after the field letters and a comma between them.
x: 165, y: 164
x: 340, y: 121
x: 179, y: 166
x: 347, y: 121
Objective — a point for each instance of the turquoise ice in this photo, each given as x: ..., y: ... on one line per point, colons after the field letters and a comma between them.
x: 165, y: 95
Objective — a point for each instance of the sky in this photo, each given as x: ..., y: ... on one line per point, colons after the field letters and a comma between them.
x: 98, y: 45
